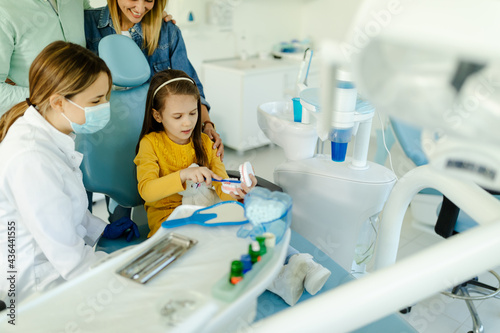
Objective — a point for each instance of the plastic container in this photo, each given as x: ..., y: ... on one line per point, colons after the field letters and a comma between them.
x: 297, y: 110
x: 339, y: 150
x: 345, y: 93
x: 343, y: 115
x: 339, y: 139
x: 262, y: 244
x: 247, y: 262
x: 267, y: 212
x: 236, y: 274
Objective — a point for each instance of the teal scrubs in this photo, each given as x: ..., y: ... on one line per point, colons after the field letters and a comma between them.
x: 26, y: 27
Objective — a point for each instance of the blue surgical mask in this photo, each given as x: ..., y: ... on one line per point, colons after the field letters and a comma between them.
x: 96, y: 118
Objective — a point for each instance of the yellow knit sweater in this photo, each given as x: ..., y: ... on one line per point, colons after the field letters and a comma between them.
x: 159, y: 162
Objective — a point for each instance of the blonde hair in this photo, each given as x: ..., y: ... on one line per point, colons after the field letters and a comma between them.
x: 151, y: 23
x: 61, y: 68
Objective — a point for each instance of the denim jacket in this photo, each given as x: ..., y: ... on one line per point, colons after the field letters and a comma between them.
x: 170, y: 53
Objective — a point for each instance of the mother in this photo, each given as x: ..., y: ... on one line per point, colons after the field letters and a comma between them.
x: 161, y: 42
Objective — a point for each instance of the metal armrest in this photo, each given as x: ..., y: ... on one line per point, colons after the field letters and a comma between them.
x: 260, y: 181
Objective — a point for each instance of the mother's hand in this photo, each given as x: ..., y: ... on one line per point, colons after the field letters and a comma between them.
x: 215, y: 137
x: 167, y: 17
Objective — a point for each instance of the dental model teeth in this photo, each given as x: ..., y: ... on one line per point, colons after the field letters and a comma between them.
x: 246, y: 170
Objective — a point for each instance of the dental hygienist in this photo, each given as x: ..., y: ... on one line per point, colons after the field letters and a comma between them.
x: 46, y: 232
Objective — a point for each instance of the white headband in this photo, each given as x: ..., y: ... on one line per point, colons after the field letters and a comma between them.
x: 170, y: 81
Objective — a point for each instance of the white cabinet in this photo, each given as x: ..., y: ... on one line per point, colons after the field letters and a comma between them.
x: 235, y: 89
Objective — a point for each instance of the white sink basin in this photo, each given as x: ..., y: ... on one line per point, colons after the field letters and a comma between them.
x: 298, y: 140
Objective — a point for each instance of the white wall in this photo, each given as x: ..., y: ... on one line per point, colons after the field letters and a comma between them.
x: 260, y: 24
x: 328, y: 18
x: 257, y: 25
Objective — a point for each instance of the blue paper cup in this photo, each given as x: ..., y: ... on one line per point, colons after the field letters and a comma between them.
x: 297, y: 110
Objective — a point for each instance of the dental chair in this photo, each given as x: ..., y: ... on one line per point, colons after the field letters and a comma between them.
x: 450, y: 221
x: 107, y: 164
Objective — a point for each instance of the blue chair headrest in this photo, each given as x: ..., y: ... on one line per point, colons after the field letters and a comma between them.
x: 129, y: 67
x: 409, y: 137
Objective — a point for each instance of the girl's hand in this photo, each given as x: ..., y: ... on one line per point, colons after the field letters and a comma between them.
x: 244, y: 189
x: 199, y: 175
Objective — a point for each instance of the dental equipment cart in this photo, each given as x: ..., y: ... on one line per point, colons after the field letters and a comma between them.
x: 178, y: 299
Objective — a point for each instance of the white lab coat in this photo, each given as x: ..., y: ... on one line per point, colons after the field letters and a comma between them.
x: 42, y: 194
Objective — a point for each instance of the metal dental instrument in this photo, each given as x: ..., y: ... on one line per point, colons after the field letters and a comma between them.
x: 155, y: 258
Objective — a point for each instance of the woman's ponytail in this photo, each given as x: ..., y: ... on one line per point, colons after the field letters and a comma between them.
x: 10, y: 117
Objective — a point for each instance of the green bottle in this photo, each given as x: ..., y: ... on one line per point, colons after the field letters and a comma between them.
x: 254, y: 251
x: 236, y: 274
x: 262, y: 243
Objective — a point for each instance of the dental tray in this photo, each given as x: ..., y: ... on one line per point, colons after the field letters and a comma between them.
x: 155, y: 258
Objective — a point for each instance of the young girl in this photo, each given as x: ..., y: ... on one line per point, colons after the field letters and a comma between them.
x: 46, y: 232
x: 170, y: 141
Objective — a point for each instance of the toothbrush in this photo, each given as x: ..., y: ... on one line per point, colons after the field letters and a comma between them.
x: 234, y: 181
x: 230, y: 185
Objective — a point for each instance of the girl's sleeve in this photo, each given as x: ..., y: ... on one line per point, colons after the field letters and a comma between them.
x: 151, y: 186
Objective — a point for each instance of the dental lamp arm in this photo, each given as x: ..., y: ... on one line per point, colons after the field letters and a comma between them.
x: 478, y: 204
x: 329, y: 64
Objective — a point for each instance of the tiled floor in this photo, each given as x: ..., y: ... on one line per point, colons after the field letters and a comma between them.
x: 440, y: 313
x: 437, y: 314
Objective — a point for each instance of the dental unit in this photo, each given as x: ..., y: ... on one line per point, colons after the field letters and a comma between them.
x: 335, y: 197
x: 441, y: 75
